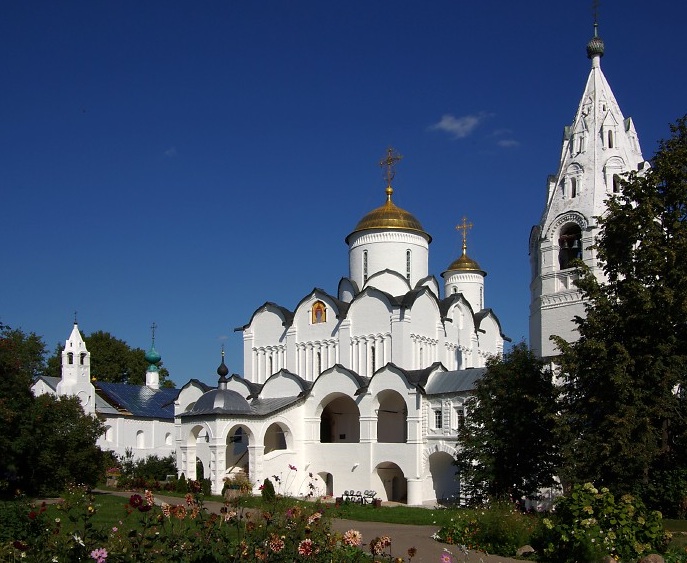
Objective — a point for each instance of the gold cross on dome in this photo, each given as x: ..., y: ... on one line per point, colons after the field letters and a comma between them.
x: 465, y: 227
x: 389, y: 162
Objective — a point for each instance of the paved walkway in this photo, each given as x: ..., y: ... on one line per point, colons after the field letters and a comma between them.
x: 403, y: 536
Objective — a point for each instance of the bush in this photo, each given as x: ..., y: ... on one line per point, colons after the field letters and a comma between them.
x: 238, y: 482
x: 181, y: 486
x: 589, y: 524
x: 267, y: 491
x: 498, y: 529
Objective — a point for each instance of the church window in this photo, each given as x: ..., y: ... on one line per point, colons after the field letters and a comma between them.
x: 109, y: 434
x: 83, y: 357
x: 70, y: 358
x: 319, y: 313
x: 140, y: 439
x: 318, y: 359
x: 570, y: 245
x: 271, y: 366
x: 616, y: 183
x: 455, y: 289
x: 408, y: 265
x: 460, y: 418
x: 610, y: 139
x: 422, y: 357
x: 438, y: 419
x: 481, y: 298
x: 364, y: 266
x: 573, y: 187
x: 373, y: 359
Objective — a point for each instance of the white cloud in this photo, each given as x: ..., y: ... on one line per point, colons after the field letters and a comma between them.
x: 508, y: 143
x: 458, y: 127
x: 171, y: 152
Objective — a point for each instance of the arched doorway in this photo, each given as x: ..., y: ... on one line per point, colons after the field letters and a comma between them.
x: 275, y: 438
x: 328, y: 480
x: 444, y: 479
x: 392, y: 418
x: 394, y: 482
x: 340, y: 421
x: 237, y: 458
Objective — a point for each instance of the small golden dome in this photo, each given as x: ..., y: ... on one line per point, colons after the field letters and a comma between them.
x: 464, y: 263
x: 390, y: 216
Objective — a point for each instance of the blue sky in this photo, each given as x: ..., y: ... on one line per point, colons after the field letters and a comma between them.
x: 184, y: 162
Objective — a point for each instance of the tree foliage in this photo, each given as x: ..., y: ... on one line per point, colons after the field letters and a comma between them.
x: 625, y: 411
x: 44, y: 442
x: 112, y: 360
x: 21, y: 358
x: 507, y: 444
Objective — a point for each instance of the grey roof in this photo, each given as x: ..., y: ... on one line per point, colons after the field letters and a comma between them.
x: 139, y: 400
x: 457, y: 381
x: 50, y: 381
x: 220, y: 401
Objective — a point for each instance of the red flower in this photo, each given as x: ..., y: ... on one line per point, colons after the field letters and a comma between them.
x: 32, y: 515
x: 135, y: 501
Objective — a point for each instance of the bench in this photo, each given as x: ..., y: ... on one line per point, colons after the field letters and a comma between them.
x: 366, y: 497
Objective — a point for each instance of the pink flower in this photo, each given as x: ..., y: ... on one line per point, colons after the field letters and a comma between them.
x: 276, y: 544
x: 100, y: 555
x: 446, y: 557
x: 292, y: 467
x: 353, y: 538
x: 305, y: 547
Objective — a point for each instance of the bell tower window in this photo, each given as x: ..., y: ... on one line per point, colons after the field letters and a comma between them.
x: 610, y: 138
x: 616, y: 183
x: 573, y: 187
x: 570, y: 245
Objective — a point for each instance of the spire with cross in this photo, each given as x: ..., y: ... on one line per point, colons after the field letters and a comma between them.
x: 389, y: 162
x: 465, y: 227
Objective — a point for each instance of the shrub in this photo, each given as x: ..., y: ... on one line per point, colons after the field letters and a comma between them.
x: 238, y: 482
x: 589, y: 524
x: 267, y: 491
x: 498, y: 529
x: 181, y: 486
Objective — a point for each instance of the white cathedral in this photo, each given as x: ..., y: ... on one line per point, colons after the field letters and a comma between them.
x: 366, y: 390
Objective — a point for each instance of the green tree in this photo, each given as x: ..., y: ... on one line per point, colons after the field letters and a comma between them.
x: 624, y: 420
x: 507, y: 444
x: 21, y: 359
x: 112, y: 360
x: 58, y: 445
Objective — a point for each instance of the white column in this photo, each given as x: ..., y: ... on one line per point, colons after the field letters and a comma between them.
x: 414, y: 492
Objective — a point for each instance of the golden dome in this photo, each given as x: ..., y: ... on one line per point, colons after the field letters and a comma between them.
x: 464, y: 263
x: 390, y: 216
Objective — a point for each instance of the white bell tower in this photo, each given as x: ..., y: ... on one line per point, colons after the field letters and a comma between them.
x: 76, y: 371
x: 598, y: 149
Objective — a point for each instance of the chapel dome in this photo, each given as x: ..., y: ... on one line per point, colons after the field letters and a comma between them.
x: 390, y: 216
x: 596, y: 45
x: 220, y: 401
x: 464, y: 263
x: 152, y: 356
